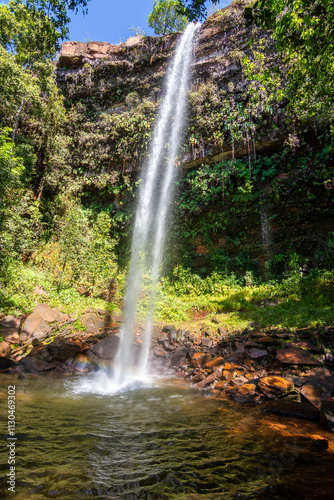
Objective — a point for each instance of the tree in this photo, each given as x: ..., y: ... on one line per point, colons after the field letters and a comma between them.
x: 194, y: 10
x: 165, y: 19
x: 32, y: 29
x: 304, y: 31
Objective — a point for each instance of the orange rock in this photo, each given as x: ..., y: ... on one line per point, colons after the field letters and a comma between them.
x: 214, y: 362
x: 199, y: 359
x: 273, y: 386
x: 207, y: 380
x: 247, y: 390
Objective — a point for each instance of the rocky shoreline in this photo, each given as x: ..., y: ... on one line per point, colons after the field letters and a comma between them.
x: 289, y: 373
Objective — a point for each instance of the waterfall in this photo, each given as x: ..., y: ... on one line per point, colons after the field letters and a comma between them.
x: 155, y: 193
x: 266, y: 230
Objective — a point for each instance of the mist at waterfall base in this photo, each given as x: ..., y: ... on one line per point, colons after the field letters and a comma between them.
x: 154, y: 198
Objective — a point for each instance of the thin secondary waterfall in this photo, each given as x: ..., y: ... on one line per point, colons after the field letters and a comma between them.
x: 155, y: 193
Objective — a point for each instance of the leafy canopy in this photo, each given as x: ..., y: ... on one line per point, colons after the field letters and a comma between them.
x: 32, y: 29
x: 304, y: 31
x: 165, y: 18
x: 194, y: 10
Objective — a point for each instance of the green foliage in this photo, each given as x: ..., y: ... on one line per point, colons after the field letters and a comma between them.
x: 83, y: 252
x: 304, y: 35
x: 295, y: 302
x: 11, y: 169
x: 32, y: 29
x: 193, y: 9
x: 165, y: 19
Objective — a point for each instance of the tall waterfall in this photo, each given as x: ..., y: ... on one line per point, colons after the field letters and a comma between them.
x: 155, y: 193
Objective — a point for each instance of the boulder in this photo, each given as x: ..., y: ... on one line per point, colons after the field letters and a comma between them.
x: 239, y: 348
x: 207, y: 380
x: 199, y: 359
x: 322, y: 376
x: 274, y: 386
x: 6, y: 363
x: 315, y: 394
x: 10, y: 322
x: 10, y: 335
x: 257, y: 353
x: 34, y: 326
x: 180, y: 353
x: 5, y: 349
x: 214, y: 362
x: 45, y: 311
x: 296, y: 356
x: 305, y: 411
x: 245, y: 391
x: 168, y: 328
x: 327, y: 414
x: 207, y: 342
x: 32, y: 364
x: 92, y: 322
x: 106, y: 349
x: 61, y: 350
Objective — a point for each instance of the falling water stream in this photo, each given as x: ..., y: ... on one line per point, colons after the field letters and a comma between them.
x: 155, y: 193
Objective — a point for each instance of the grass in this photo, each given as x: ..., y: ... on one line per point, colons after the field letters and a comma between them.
x: 19, y: 296
x: 191, y: 302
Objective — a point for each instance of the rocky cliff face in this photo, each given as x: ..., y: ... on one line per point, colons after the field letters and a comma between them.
x: 284, y: 208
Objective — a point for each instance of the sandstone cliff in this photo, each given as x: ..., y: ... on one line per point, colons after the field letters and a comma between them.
x: 284, y: 209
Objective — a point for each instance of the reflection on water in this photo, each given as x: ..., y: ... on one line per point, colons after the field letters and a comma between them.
x: 152, y: 442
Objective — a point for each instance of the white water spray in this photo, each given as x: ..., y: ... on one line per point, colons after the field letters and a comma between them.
x: 155, y: 193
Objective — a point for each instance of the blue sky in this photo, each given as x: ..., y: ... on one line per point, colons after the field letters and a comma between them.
x: 110, y: 20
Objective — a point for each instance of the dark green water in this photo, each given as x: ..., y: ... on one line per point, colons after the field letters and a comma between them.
x: 162, y: 442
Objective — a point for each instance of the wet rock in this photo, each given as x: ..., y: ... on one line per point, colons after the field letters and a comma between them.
x: 159, y: 353
x: 245, y: 392
x: 206, y: 342
x: 5, y: 349
x: 221, y: 331
x: 305, y: 411
x: 91, y: 322
x: 239, y: 381
x: 327, y: 414
x: 45, y: 311
x: 207, y: 380
x: 296, y: 356
x: 163, y: 339
x: 315, y: 394
x: 179, y: 354
x: 199, y: 359
x: 306, y: 344
x: 61, y: 350
x: 32, y: 364
x: 322, y: 376
x: 214, y: 362
x: 168, y: 328
x: 239, y: 348
x: 198, y: 377
x: 6, y: 363
x: 255, y: 353
x: 34, y: 326
x: 274, y: 386
x: 266, y: 340
x: 173, y: 335
x: 106, y: 349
